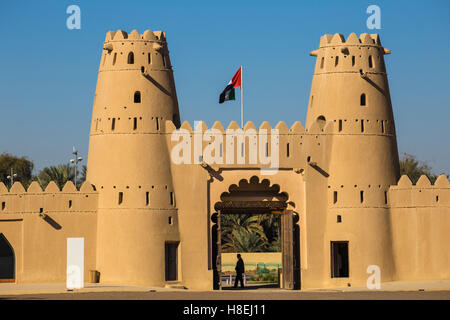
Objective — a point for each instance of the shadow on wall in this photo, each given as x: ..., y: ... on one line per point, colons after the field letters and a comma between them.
x: 51, y: 222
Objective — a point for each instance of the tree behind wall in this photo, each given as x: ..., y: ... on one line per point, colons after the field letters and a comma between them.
x: 60, y: 174
x: 413, y: 168
x: 20, y: 165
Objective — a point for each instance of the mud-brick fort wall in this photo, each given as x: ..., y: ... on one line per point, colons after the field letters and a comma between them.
x: 420, y: 216
x: 37, y: 223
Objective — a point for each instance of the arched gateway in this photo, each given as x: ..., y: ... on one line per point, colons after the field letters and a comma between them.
x: 7, y: 267
x: 259, y: 197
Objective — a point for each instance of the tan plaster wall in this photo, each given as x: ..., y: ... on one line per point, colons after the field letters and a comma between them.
x: 40, y: 244
x: 421, y: 218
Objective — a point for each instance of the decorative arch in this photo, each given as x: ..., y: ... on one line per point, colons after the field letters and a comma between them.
x: 255, y: 196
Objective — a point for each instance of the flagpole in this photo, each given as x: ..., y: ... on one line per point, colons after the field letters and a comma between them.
x: 242, y: 100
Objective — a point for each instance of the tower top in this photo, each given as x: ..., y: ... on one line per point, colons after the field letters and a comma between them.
x: 365, y: 39
x: 148, y: 35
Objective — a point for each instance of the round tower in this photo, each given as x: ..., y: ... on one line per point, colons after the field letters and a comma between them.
x: 350, y: 89
x: 128, y: 161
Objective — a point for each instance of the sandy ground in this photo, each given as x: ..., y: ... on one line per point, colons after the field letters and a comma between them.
x: 238, y: 295
x: 438, y: 289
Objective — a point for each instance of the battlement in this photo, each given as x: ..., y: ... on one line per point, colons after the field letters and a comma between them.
x: 18, y: 200
x: 423, y: 194
x: 148, y: 35
x: 266, y: 146
x: 338, y: 39
x: 296, y: 128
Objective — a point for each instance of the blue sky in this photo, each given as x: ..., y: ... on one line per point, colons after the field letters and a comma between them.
x: 48, y: 73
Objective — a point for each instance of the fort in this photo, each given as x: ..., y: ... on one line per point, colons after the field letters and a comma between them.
x: 149, y: 220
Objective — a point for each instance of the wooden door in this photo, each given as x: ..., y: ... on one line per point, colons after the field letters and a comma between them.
x: 287, y: 249
x: 219, y: 253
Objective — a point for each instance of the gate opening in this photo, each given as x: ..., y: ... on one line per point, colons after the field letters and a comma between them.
x: 7, y: 261
x: 252, y: 220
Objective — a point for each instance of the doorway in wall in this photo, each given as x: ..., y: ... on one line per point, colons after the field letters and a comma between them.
x: 339, y: 259
x: 7, y: 261
x: 171, y: 261
x: 245, y: 205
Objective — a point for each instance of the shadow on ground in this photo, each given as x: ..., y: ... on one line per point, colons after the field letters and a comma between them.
x: 254, y: 287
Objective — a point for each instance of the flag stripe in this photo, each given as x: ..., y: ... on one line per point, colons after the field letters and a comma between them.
x: 229, y: 93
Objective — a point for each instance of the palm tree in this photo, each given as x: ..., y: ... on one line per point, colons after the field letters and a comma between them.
x: 239, y: 230
x: 60, y: 174
x: 244, y: 241
x: 83, y: 174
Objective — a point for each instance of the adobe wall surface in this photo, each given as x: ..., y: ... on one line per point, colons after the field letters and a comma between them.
x: 420, y: 217
x: 37, y: 223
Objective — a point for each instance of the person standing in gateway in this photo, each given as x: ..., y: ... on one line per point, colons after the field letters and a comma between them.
x: 239, y: 271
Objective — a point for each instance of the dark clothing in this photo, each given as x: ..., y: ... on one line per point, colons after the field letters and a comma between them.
x: 239, y: 271
x: 238, y: 279
x: 240, y: 266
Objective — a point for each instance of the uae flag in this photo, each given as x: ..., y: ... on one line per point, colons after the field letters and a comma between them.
x: 228, y: 93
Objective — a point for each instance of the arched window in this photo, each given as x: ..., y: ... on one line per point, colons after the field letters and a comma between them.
x: 130, y: 58
x: 137, y: 97
x: 336, y: 61
x: 363, y: 99
x: 321, y: 121
x: 322, y: 62
x: 115, y: 57
x: 149, y: 58
x: 370, y: 62
x: 353, y: 61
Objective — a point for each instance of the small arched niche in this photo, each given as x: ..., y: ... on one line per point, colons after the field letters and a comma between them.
x: 321, y: 120
x: 130, y: 59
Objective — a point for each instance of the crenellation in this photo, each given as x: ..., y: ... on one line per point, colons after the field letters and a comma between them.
x: 423, y: 194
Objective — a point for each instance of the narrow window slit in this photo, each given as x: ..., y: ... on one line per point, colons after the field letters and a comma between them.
x: 363, y: 99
